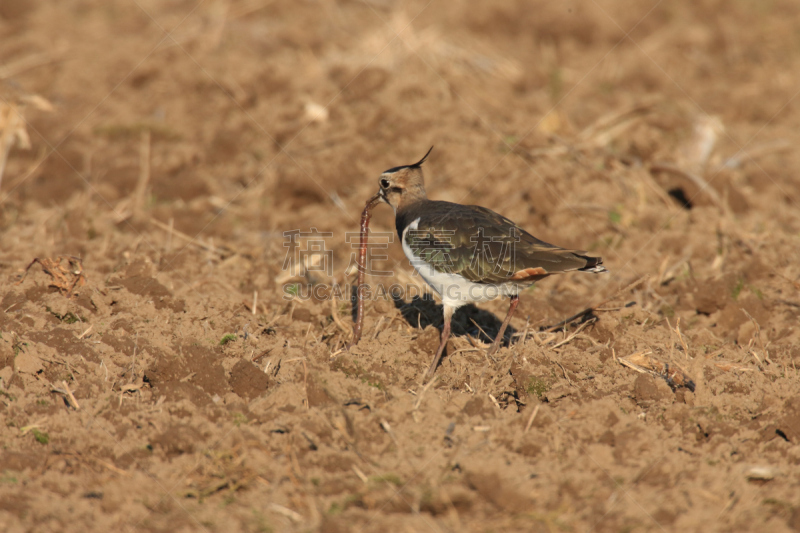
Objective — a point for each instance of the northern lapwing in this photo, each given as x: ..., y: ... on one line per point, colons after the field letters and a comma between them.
x: 468, y: 253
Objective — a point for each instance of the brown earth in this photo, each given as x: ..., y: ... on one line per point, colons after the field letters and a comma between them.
x: 660, y: 135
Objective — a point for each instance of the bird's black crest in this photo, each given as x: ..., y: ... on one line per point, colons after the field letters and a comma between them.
x: 418, y: 164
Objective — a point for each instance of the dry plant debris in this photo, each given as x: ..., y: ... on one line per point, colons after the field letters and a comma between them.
x: 645, y: 363
x: 63, y: 277
x: 13, y: 129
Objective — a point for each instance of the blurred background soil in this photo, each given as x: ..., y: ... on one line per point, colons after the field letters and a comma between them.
x: 161, y: 370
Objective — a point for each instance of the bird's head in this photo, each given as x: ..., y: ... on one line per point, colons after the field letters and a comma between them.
x: 403, y: 185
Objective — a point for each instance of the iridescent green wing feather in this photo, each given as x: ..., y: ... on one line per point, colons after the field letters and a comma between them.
x: 483, y: 246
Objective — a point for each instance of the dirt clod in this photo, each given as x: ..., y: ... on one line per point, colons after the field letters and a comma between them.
x: 247, y: 380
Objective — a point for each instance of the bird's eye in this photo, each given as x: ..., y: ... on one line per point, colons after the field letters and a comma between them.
x: 384, y: 183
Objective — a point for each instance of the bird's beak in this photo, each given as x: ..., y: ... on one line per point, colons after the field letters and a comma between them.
x: 372, y: 202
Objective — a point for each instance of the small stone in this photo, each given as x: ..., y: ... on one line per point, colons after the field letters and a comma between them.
x: 761, y: 473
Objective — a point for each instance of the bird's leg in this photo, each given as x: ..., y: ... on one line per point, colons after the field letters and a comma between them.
x: 499, y: 338
x: 448, y: 314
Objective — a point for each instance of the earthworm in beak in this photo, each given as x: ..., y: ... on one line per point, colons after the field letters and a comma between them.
x: 362, y: 268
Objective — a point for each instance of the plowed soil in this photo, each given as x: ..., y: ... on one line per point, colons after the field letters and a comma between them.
x: 163, y: 366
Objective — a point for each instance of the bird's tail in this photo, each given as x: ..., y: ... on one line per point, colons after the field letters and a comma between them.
x: 593, y: 264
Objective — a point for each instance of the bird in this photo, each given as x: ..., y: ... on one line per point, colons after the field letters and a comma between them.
x: 467, y: 253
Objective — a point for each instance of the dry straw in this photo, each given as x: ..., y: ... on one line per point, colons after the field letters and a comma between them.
x: 13, y: 131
